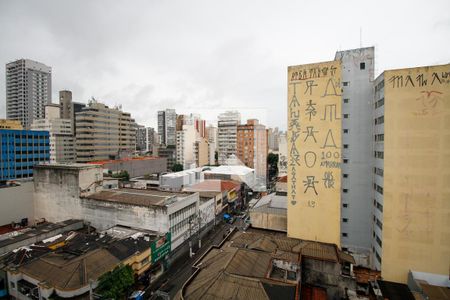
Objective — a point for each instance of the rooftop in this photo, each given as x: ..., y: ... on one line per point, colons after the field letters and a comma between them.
x: 70, y: 166
x: 112, y: 161
x: 243, y: 267
x: 230, y: 170
x: 140, y: 197
x: 214, y: 185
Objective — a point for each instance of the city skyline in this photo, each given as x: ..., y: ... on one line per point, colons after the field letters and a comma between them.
x: 148, y: 62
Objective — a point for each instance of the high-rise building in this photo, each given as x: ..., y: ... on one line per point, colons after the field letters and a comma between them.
x: 167, y: 123
x: 10, y: 124
x: 66, y: 105
x: 28, y: 89
x: 357, y: 76
x: 103, y: 133
x: 185, y: 147
x: 151, y: 140
x: 411, y: 204
x: 314, y: 151
x: 227, y: 135
x: 141, y: 138
x: 211, y: 133
x: 252, y: 148
x: 62, y: 144
x: 20, y: 150
x: 272, y: 138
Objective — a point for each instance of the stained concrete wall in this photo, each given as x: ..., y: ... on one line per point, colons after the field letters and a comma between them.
x: 138, y: 168
x: 266, y: 220
x: 16, y: 203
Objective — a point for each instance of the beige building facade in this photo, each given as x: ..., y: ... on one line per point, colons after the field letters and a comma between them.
x: 314, y: 151
x: 103, y: 133
x: 10, y: 124
x: 411, y: 222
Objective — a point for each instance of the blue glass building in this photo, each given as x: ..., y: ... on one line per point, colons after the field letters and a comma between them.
x: 20, y: 150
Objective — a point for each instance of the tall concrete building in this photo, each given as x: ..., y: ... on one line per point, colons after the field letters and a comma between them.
x: 62, y: 144
x: 186, y: 139
x: 103, y: 133
x: 357, y: 76
x: 69, y: 108
x: 152, y: 139
x: 252, y: 148
x: 28, y: 89
x: 272, y: 138
x: 211, y: 134
x: 141, y: 138
x: 411, y: 219
x: 167, y: 123
x: 227, y: 135
x: 314, y: 152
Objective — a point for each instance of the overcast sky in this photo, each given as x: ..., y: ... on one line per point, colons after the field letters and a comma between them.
x: 209, y: 56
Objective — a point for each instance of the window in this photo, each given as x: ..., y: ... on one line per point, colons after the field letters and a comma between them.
x: 345, y: 220
x: 362, y: 66
x: 379, y: 154
x: 345, y: 175
x: 345, y: 116
x: 345, y: 83
x: 345, y: 100
x: 345, y: 130
x: 345, y: 160
x: 345, y: 190
x: 379, y: 137
x: 345, y: 146
x: 345, y: 205
x: 344, y: 234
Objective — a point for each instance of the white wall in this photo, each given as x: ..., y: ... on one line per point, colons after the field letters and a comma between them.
x: 16, y: 203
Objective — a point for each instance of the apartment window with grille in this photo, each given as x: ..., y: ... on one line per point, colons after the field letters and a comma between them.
x: 345, y: 190
x: 378, y: 257
x: 345, y: 83
x: 345, y: 100
x: 362, y: 66
x: 345, y: 116
x: 345, y: 175
x: 379, y: 103
x: 344, y: 234
x: 378, y: 171
x: 345, y: 160
x: 345, y: 220
x: 378, y: 188
x: 379, y: 154
x: 378, y: 241
x: 380, y: 206
x: 379, y: 224
x: 345, y: 146
x: 379, y: 137
x: 345, y: 205
x: 345, y: 130
x: 379, y: 120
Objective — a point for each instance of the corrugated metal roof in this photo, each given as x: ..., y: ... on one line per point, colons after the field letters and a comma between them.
x: 249, y: 264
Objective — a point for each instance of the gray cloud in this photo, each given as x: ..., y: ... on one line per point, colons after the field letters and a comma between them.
x: 209, y: 56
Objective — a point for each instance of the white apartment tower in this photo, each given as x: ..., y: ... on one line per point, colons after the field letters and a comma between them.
x: 62, y: 145
x: 227, y: 135
x: 167, y: 122
x: 28, y: 90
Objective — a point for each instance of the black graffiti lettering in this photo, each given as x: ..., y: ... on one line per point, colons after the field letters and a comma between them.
x: 397, y: 81
x: 312, y: 203
x: 329, y: 109
x: 330, y: 164
x: 310, y: 133
x: 329, y: 140
x: 324, y: 71
x: 310, y: 183
x: 435, y: 76
x: 310, y: 159
x: 328, y: 180
x: 445, y: 75
x: 408, y: 79
x: 333, y: 70
x: 294, y: 101
x: 309, y: 85
x: 421, y: 80
x: 310, y: 109
x: 330, y: 89
x: 294, y: 123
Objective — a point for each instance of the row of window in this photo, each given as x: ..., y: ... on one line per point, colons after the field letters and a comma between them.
x: 379, y: 137
x: 379, y: 154
x: 378, y: 171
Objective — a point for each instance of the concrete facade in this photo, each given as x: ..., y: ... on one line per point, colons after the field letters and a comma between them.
x: 357, y: 78
x: 62, y: 144
x: 227, y: 135
x: 167, y: 122
x: 10, y: 124
x: 410, y: 223
x: 28, y: 89
x: 19, y: 203
x: 212, y: 144
x: 103, y: 133
x: 139, y: 166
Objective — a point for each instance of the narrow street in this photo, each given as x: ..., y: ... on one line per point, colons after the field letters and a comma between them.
x: 180, y: 270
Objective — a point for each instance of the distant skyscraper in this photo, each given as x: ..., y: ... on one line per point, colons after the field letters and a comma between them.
x: 28, y: 89
x: 227, y: 134
x: 141, y: 138
x: 62, y: 145
x: 103, y: 133
x: 252, y: 149
x: 167, y: 122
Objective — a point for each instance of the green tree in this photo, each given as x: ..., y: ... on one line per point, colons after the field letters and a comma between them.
x: 123, y: 175
x: 177, y: 168
x: 114, y: 284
